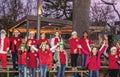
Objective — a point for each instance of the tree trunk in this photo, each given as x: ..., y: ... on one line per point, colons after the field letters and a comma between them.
x: 81, y: 10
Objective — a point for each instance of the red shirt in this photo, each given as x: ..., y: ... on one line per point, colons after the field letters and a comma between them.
x: 56, y: 41
x: 43, y: 57
x: 118, y: 53
x: 32, y: 59
x: 62, y: 58
x: 113, y: 61
x: 73, y: 42
x: 82, y: 42
x: 6, y: 43
x: 18, y: 42
x: 39, y: 42
x: 33, y: 41
x: 22, y: 59
x: 93, y: 65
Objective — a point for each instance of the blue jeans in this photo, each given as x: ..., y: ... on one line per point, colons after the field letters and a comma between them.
x: 14, y: 59
x: 93, y: 73
x: 22, y: 70
x: 32, y: 72
x: 83, y: 60
x: 61, y: 70
x: 43, y: 70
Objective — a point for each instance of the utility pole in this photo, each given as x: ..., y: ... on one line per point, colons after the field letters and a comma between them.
x: 38, y: 18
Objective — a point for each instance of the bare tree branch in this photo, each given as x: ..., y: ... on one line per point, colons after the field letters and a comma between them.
x: 113, y: 5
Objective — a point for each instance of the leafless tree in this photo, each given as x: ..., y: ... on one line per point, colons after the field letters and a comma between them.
x: 112, y: 3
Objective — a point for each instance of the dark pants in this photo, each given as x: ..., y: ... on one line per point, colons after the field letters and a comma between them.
x: 14, y: 59
x: 61, y: 71
x: 74, y: 58
x: 83, y: 60
x: 113, y: 72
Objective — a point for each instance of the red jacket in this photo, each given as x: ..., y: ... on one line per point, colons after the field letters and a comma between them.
x: 62, y: 58
x: 33, y: 41
x: 82, y: 42
x: 113, y: 62
x: 18, y: 42
x: 39, y: 42
x: 32, y: 60
x: 93, y: 62
x: 6, y: 43
x: 43, y: 57
x: 74, y: 42
x: 22, y: 59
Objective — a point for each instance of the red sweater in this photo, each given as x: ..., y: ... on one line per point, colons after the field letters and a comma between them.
x: 33, y: 41
x: 113, y: 61
x: 39, y: 42
x: 18, y: 42
x: 93, y: 65
x: 6, y: 43
x: 73, y: 42
x: 22, y: 59
x: 82, y: 42
x: 32, y: 60
x: 43, y: 57
x: 62, y: 58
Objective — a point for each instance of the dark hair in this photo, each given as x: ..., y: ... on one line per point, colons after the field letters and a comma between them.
x: 84, y: 33
x: 91, y: 53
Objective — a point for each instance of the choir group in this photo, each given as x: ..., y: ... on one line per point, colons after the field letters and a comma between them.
x: 44, y: 54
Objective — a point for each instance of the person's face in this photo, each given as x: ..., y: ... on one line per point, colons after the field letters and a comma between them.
x: 22, y: 49
x: 32, y: 35
x: 43, y: 35
x: 85, y: 35
x: 61, y: 48
x: 113, y: 52
x: 117, y: 45
x: 16, y: 34
x: 43, y: 47
x: 74, y: 35
x: 57, y: 34
x: 94, y: 51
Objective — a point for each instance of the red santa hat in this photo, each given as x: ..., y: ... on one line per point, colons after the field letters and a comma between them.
x: 113, y: 48
x: 16, y: 31
x: 3, y: 31
x: 74, y: 32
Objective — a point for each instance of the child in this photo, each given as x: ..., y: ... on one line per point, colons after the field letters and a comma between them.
x: 43, y: 56
x: 113, y: 59
x: 74, y: 42
x: 32, y: 62
x: 93, y: 60
x: 61, y: 60
x: 22, y: 68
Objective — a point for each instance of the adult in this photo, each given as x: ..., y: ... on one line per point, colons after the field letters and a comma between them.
x: 31, y: 40
x: 54, y: 41
x: 74, y: 51
x: 15, y: 42
x: 83, y: 43
x: 4, y: 47
x: 42, y: 39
